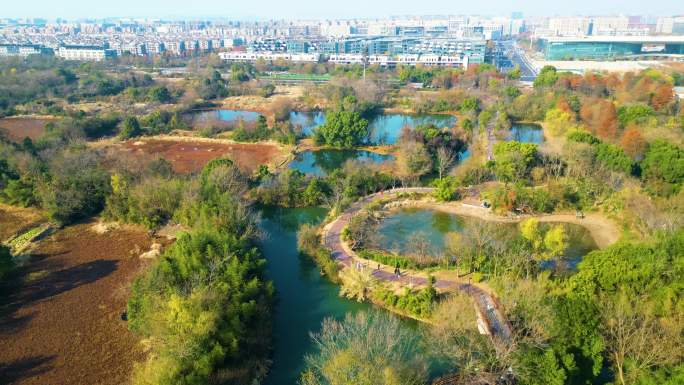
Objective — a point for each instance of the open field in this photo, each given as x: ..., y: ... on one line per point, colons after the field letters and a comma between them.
x: 19, y: 127
x: 15, y: 219
x: 191, y: 154
x: 60, y: 322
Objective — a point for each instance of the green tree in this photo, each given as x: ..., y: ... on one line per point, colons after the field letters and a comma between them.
x: 342, y: 129
x: 547, y: 77
x: 635, y: 113
x: 663, y: 166
x: 76, y: 187
x: 159, y: 94
x: 513, y: 160
x: 130, y: 128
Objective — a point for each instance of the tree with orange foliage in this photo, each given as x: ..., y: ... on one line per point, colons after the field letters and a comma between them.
x: 563, y: 105
x: 633, y: 143
x: 662, y: 97
x: 607, y: 121
x: 601, y: 117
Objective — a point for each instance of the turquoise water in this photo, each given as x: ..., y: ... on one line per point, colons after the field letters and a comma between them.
x: 305, y: 298
x: 386, y: 128
x: 230, y: 116
x: 527, y: 133
x: 308, y: 121
x: 322, y: 162
x: 396, y: 230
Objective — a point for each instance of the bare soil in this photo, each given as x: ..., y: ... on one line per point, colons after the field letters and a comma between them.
x: 14, y: 220
x: 60, y: 319
x: 190, y: 155
x: 20, y: 127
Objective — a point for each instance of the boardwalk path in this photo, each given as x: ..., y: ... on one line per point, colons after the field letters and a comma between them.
x: 487, y: 306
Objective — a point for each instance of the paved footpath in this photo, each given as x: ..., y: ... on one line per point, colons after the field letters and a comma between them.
x: 487, y: 305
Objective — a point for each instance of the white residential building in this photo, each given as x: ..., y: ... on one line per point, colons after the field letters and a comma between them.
x: 84, y: 52
x: 269, y: 56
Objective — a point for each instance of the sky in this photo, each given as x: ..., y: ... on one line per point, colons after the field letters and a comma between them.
x: 325, y: 9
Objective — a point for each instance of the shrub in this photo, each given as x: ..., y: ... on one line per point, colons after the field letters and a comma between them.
x: 418, y: 303
x: 446, y: 189
x: 309, y: 244
x: 76, y: 188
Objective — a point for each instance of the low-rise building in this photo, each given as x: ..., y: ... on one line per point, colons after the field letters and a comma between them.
x: 85, y: 52
x: 269, y: 56
x: 23, y: 50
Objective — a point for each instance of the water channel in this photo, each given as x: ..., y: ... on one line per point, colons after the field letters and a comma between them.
x: 305, y: 298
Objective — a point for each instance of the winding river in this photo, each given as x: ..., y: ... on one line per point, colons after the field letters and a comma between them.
x: 305, y: 298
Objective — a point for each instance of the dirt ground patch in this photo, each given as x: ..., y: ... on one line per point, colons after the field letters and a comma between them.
x: 60, y: 322
x: 189, y: 155
x: 17, y: 128
x: 17, y: 219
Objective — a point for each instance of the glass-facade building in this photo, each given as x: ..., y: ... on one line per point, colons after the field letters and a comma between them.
x: 474, y: 48
x: 613, y: 49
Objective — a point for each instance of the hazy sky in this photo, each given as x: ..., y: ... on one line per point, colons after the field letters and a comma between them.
x: 301, y: 9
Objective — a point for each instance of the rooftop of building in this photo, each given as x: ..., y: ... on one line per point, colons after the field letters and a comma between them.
x: 679, y: 39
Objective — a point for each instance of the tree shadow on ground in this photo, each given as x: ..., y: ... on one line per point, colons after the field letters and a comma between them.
x: 24, y: 368
x: 54, y: 283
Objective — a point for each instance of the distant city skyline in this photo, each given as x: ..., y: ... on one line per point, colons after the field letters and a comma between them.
x: 312, y: 9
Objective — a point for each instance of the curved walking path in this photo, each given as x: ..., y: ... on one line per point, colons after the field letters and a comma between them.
x: 487, y: 306
x: 495, y: 322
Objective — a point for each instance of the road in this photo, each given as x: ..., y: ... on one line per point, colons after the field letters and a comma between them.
x: 487, y: 305
x: 516, y: 54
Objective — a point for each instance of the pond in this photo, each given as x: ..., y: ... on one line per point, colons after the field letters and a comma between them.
x: 225, y: 116
x: 526, y: 133
x: 308, y: 121
x: 384, y: 128
x: 399, y: 227
x: 322, y: 162
x: 305, y: 298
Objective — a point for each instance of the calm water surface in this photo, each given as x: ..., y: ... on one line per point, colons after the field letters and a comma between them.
x: 229, y: 116
x: 323, y: 162
x: 396, y: 230
x: 305, y: 298
x: 527, y: 133
x: 384, y: 128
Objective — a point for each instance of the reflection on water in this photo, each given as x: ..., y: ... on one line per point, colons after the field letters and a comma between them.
x: 386, y: 128
x: 228, y: 116
x: 305, y: 298
x: 323, y: 162
x: 308, y: 121
x: 526, y: 133
x: 396, y: 230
